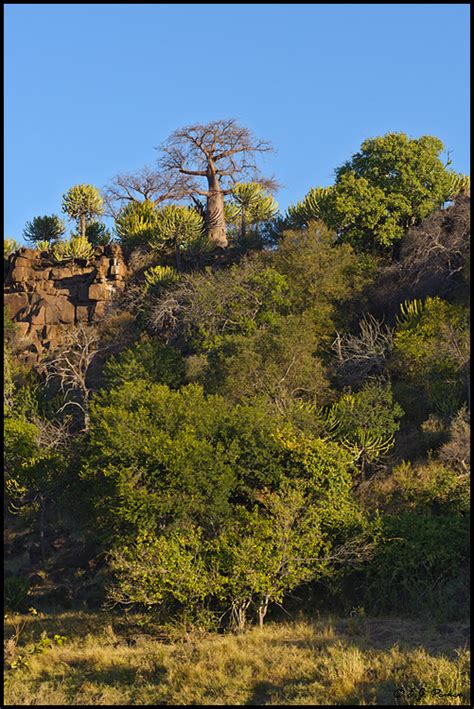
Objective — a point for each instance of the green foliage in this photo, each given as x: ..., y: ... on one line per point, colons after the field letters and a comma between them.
x: 97, y: 234
x: 431, y: 488
x: 15, y: 593
x: 365, y: 423
x: 9, y: 247
x: 421, y: 565
x: 77, y: 248
x: 459, y: 184
x: 147, y: 361
x: 161, y: 276
x: 42, y: 245
x: 83, y: 204
x: 177, y: 227
x: 20, y: 444
x: 162, y: 570
x: 249, y: 206
x: 318, y: 270
x: 160, y: 452
x: 390, y: 184
x: 269, y: 550
x: 410, y: 312
x: 44, y: 229
x: 136, y: 222
x: 431, y: 352
x: 172, y: 457
x: 210, y: 306
x: 311, y: 208
x: 327, y: 471
x: 279, y: 362
x: 30, y: 467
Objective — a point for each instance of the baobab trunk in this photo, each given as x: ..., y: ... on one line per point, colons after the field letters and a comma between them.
x: 216, y: 229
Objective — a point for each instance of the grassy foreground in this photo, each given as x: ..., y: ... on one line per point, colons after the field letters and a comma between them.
x: 106, y: 659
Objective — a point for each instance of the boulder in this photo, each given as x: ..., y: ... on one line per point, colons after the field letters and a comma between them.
x: 15, y: 303
x: 99, y: 291
x: 44, y: 313
x: 99, y: 310
x: 21, y: 262
x: 66, y: 310
x: 30, y: 254
x: 20, y: 274
x: 22, y: 328
x: 82, y: 313
x: 118, y: 268
x: 58, y: 273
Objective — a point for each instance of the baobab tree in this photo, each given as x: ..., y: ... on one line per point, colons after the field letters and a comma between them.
x: 223, y: 153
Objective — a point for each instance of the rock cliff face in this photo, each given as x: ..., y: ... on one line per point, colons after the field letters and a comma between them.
x: 44, y: 298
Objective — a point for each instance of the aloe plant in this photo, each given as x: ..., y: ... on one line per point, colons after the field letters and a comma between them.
x: 161, y: 276
x: 76, y: 248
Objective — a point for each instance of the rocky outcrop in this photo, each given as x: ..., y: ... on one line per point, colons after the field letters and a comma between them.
x: 44, y: 298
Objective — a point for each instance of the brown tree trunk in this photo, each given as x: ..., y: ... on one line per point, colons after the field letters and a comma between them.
x: 262, y: 610
x: 216, y: 229
x: 42, y: 528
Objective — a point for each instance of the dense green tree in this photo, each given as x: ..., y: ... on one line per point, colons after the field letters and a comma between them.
x: 83, y: 204
x: 267, y: 551
x: 40, y: 229
x: 164, y: 571
x: 320, y: 271
x: 34, y: 466
x: 421, y: 564
x: 280, y: 362
x: 392, y: 183
x: 159, y: 452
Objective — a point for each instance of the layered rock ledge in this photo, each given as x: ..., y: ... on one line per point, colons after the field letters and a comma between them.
x: 43, y: 298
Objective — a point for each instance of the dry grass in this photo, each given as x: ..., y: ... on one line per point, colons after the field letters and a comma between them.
x: 112, y: 660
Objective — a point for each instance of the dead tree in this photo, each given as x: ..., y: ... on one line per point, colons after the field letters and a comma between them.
x: 364, y: 354
x: 223, y: 153
x: 70, y: 368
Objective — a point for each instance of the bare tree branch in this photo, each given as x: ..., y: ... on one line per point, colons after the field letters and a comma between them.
x: 70, y: 366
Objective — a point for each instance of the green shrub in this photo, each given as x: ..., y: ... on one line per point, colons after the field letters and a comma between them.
x: 161, y: 276
x: 42, y: 245
x: 77, y: 248
x: 148, y: 361
x: 98, y: 234
x: 421, y: 565
x: 9, y: 247
x: 136, y: 223
x: 15, y: 593
x: 431, y: 352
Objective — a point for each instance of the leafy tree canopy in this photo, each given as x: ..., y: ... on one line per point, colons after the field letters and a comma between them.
x: 49, y: 229
x: 392, y: 183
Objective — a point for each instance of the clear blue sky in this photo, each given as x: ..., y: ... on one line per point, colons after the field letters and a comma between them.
x: 90, y: 90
